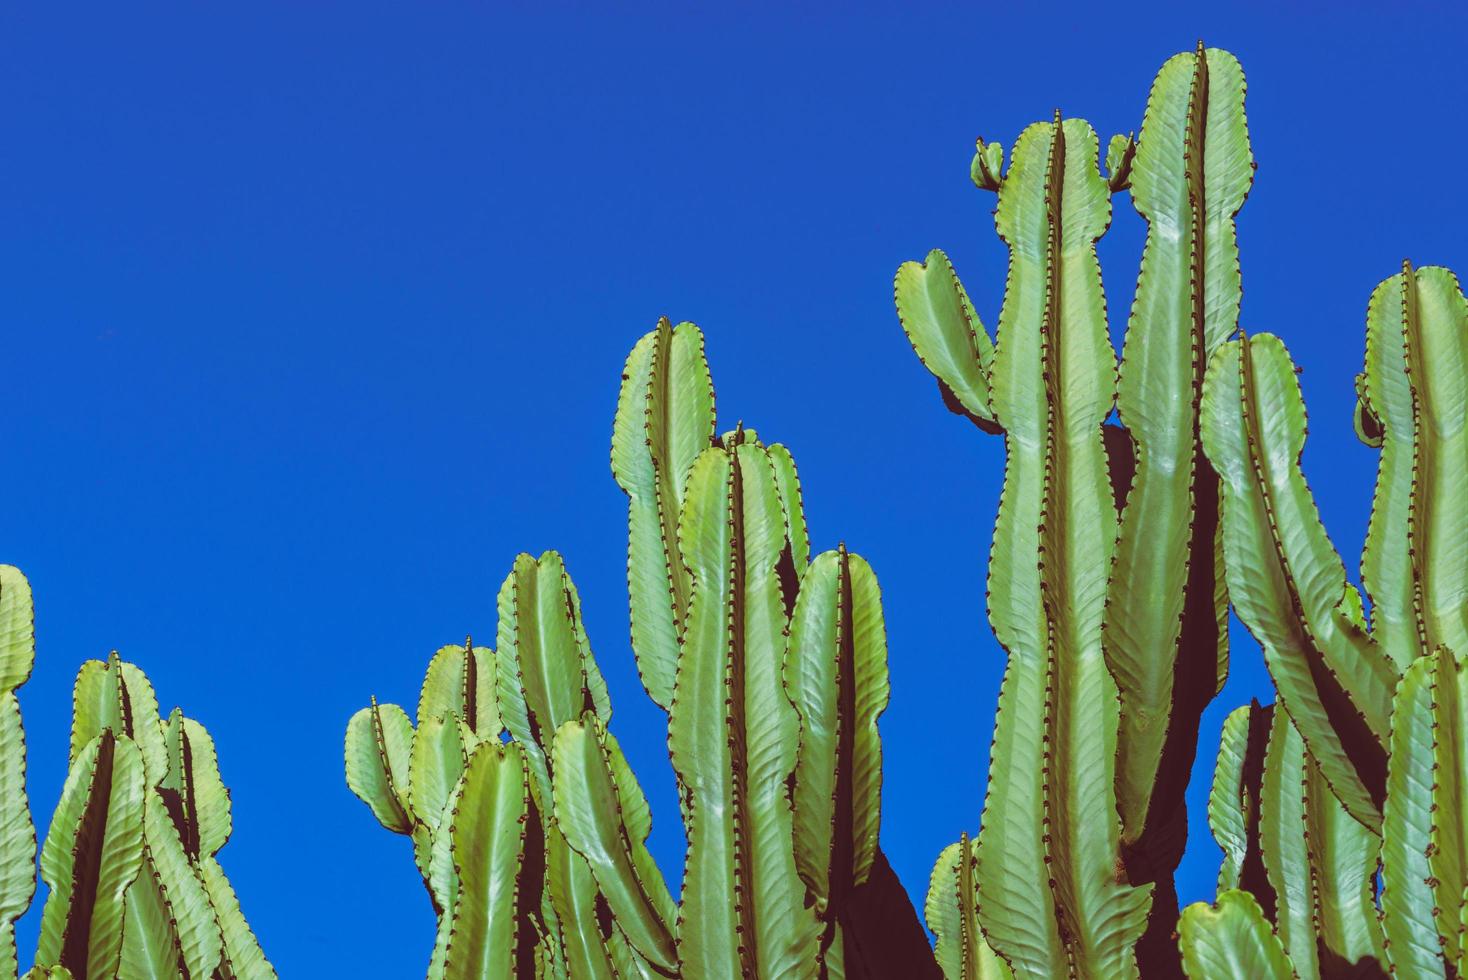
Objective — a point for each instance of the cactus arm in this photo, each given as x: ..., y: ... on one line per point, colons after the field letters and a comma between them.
x: 732, y: 731
x: 150, y: 943
x: 244, y: 959
x: 1121, y: 152
x: 117, y: 695
x: 665, y: 418
x: 945, y: 332
x: 93, y: 851
x: 197, y: 818
x: 1423, y: 856
x: 542, y: 667
x: 573, y: 890
x: 441, y: 747
x: 17, y: 831
x: 1017, y: 905
x: 1344, y: 855
x: 194, y: 789
x: 951, y: 911
x: 596, y: 685
x: 1231, y: 939
x: 796, y: 534
x: 17, y: 629
x: 836, y: 675
x: 462, y: 680
x: 1165, y: 616
x: 1283, y: 805
x: 488, y: 826
x: 1414, y: 388
x: 986, y: 169
x: 379, y: 749
x: 604, y: 816
x: 1234, y: 802
x: 440, y: 751
x: 1285, y: 579
x: 547, y: 676
x: 177, y: 882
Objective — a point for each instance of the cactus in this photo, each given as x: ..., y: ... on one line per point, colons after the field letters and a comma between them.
x: 1048, y: 384
x: 773, y: 741
x: 135, y: 889
x: 665, y: 418
x: 1050, y: 903
x: 835, y: 671
x: 1166, y: 609
x: 1424, y: 839
x: 432, y: 782
x: 1376, y: 707
x: 1231, y: 939
x: 17, y: 832
x: 953, y: 916
x: 773, y: 670
x: 1289, y: 842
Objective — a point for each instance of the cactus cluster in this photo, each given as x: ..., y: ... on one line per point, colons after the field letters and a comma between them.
x: 1144, y: 496
x: 136, y: 891
x: 773, y: 670
x: 1360, y: 778
x: 1121, y: 544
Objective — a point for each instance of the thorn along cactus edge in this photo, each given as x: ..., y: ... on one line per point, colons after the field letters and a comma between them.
x: 1143, y: 498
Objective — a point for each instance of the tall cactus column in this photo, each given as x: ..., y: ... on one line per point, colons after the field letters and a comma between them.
x: 1166, y: 610
x: 1050, y: 898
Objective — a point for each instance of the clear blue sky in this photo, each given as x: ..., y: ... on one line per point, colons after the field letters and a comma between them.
x: 314, y: 315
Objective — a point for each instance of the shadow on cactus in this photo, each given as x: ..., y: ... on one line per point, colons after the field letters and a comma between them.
x: 136, y: 888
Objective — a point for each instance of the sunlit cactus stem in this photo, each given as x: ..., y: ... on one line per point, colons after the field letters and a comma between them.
x: 1166, y: 608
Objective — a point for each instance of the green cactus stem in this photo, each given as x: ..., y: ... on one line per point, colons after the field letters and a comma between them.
x: 732, y: 732
x: 1285, y: 579
x: 1425, y: 844
x: 952, y: 912
x: 665, y: 418
x: 1231, y: 939
x: 17, y: 832
x: 92, y: 853
x: 1166, y: 610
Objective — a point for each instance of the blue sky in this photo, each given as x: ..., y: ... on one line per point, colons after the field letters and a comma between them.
x: 314, y: 316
